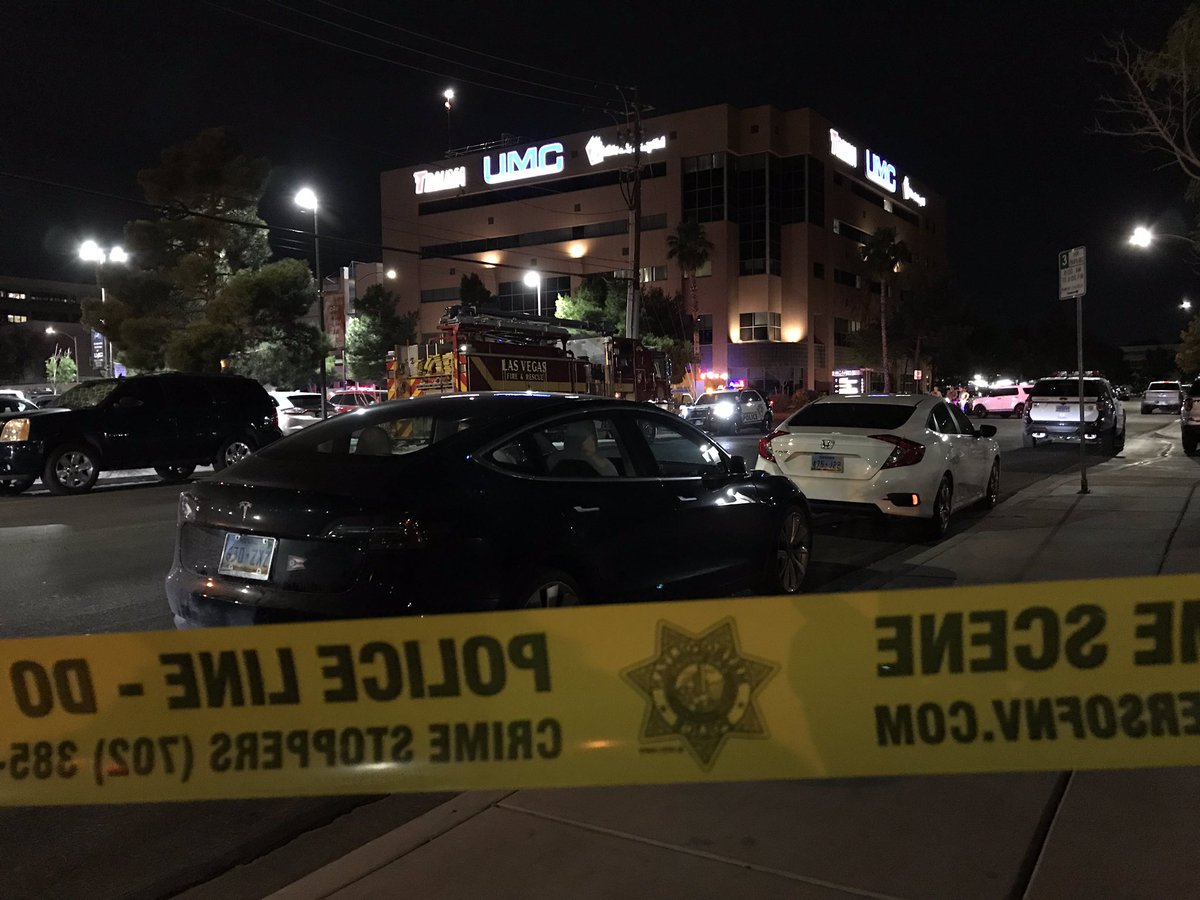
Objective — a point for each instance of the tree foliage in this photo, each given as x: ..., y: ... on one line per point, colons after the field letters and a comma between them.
x: 884, y: 255
x: 196, y: 288
x: 1188, y: 357
x: 375, y: 329
x: 599, y: 302
x: 61, y: 369
x: 1156, y: 100
x: 290, y: 361
x: 689, y: 246
x: 473, y: 292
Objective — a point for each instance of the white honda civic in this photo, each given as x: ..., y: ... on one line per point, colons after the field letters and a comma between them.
x: 906, y: 456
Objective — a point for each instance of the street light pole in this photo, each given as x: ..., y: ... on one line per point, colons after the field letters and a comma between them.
x: 90, y: 251
x: 306, y: 198
x: 534, y: 279
x: 449, y: 95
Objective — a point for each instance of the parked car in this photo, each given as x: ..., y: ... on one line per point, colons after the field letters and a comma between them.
x: 482, y: 501
x: 46, y: 401
x: 1001, y: 401
x: 728, y: 412
x: 169, y: 422
x: 1053, y: 413
x: 1162, y: 395
x: 296, y: 409
x: 1189, y: 419
x: 11, y: 404
x: 354, y: 398
x: 912, y: 457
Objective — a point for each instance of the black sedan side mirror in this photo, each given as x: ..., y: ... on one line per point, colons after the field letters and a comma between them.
x: 985, y: 431
x: 737, y: 465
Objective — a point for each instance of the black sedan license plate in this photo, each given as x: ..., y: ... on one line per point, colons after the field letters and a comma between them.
x: 247, y: 556
x: 827, y: 462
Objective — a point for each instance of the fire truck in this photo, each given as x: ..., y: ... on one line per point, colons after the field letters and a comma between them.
x: 496, y: 351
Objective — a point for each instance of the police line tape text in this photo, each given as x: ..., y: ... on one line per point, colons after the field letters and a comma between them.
x: 1159, y: 714
x: 375, y: 671
x: 1033, y: 638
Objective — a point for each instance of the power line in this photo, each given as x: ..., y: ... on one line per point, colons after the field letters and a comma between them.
x: 464, y: 65
x: 396, y: 62
x: 434, y: 40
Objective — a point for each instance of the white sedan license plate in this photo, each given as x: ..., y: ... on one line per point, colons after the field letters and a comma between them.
x: 247, y: 556
x: 1064, y: 408
x: 827, y: 462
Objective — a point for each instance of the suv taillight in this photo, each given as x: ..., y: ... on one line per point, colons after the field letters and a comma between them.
x: 906, y: 452
x: 764, y: 445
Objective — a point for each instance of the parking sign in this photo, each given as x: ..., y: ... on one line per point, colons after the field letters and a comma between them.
x: 1072, y: 273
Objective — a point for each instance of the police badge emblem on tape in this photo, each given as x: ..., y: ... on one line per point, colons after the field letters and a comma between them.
x: 700, y: 690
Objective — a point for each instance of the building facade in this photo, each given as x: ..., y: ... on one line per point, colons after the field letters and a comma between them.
x: 786, y: 198
x: 46, y: 316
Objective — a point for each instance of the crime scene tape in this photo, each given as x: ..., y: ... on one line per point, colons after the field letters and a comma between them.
x: 1048, y: 676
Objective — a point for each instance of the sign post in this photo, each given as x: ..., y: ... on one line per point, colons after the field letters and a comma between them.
x: 1072, y: 284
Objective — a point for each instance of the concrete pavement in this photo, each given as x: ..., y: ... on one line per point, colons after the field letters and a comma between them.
x: 1044, y: 835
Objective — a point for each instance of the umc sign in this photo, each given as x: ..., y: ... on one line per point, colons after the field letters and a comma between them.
x: 517, y: 165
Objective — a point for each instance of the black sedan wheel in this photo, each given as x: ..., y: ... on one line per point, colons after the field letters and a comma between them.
x: 174, y: 473
x: 550, y: 589
x: 793, y: 553
x: 71, y: 469
x: 12, y: 486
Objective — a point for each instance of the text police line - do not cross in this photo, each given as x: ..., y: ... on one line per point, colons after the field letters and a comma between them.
x: 1057, y: 675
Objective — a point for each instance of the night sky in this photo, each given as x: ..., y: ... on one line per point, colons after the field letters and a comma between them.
x: 989, y: 103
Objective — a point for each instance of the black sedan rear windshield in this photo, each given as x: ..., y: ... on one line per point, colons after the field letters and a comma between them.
x: 884, y: 416
x: 1067, y: 387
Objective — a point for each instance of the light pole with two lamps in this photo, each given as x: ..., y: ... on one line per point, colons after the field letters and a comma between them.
x: 449, y: 95
x: 90, y: 251
x: 306, y: 198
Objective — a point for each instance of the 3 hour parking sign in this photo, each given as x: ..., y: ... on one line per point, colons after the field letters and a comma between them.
x: 1072, y: 273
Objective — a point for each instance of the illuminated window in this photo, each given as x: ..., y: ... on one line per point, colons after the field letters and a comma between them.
x: 760, y: 326
x: 18, y: 319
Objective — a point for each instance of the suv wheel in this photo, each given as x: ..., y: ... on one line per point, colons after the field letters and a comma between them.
x: 1018, y: 410
x: 980, y: 411
x: 232, y: 450
x: 13, y: 486
x: 71, y: 469
x: 1146, y: 409
x: 1028, y: 441
x: 174, y: 473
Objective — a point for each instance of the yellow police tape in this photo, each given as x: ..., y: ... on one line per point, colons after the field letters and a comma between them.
x: 1058, y: 675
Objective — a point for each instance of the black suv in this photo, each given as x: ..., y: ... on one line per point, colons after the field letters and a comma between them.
x: 170, y: 422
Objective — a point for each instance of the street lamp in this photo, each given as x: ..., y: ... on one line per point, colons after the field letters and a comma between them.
x: 533, y: 279
x: 1186, y: 304
x: 449, y: 95
x: 390, y: 274
x: 306, y: 198
x: 90, y: 251
x: 1141, y: 237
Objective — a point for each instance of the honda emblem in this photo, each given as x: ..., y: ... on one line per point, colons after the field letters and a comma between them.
x: 826, y: 445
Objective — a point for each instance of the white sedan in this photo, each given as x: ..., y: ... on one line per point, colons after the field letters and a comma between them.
x: 906, y: 456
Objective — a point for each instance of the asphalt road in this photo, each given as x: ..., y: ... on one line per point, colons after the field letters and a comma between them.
x: 96, y: 563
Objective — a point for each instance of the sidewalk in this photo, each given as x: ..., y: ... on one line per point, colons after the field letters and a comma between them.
x: 1045, y: 835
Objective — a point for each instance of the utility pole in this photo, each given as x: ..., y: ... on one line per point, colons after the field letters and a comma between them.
x: 633, y: 198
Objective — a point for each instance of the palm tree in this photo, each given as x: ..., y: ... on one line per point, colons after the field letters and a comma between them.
x: 884, y: 255
x: 691, y: 248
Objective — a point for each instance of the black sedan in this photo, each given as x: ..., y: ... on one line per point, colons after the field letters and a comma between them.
x: 477, y: 502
